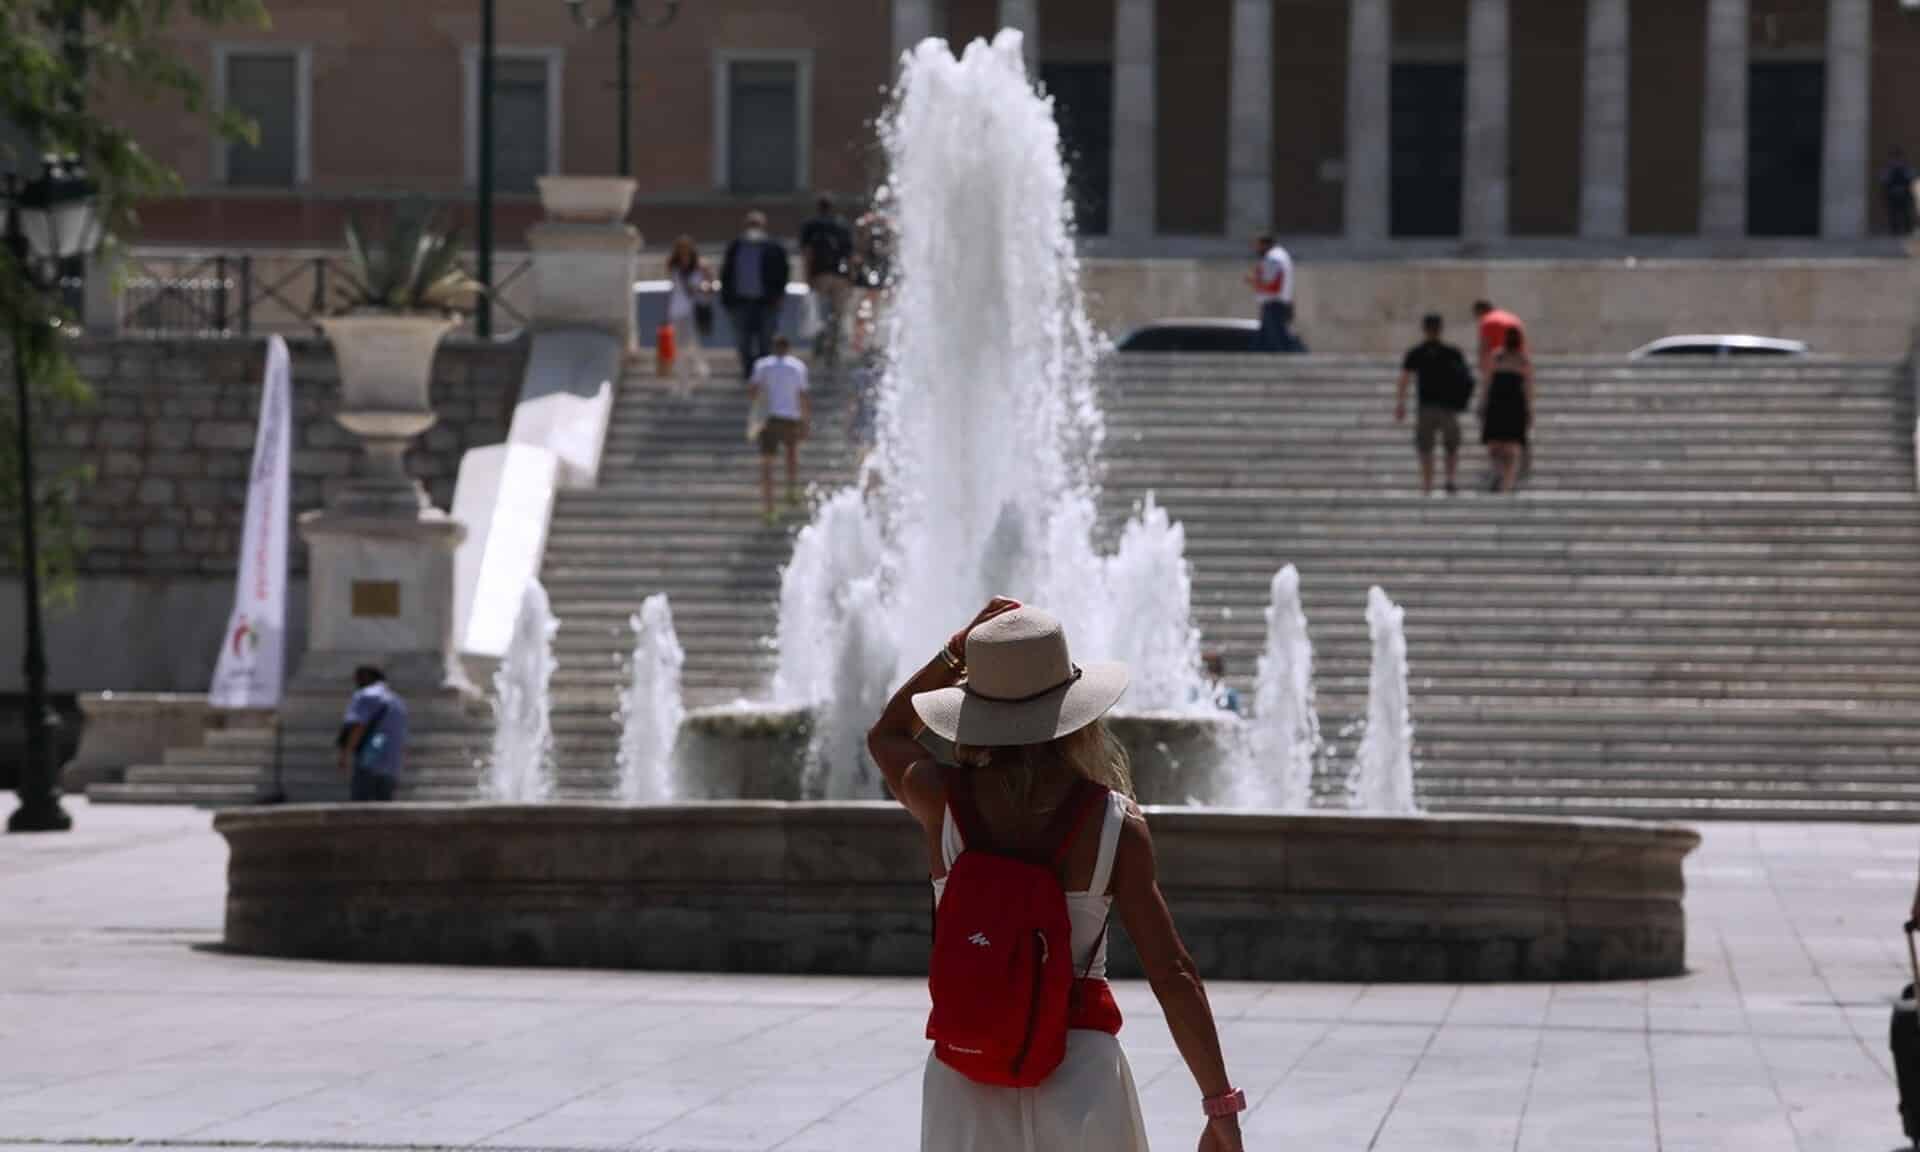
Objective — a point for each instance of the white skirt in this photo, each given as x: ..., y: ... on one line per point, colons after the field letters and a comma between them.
x: 1088, y: 1105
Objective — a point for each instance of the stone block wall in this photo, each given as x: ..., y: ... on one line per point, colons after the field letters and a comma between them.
x: 169, y: 438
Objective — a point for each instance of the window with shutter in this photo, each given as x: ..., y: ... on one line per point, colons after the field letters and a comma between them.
x: 763, y: 127
x: 264, y: 87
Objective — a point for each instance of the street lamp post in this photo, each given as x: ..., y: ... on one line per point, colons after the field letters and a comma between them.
x: 483, y: 230
x: 624, y: 15
x: 51, y: 220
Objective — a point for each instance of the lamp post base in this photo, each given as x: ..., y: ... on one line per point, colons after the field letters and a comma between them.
x: 41, y: 815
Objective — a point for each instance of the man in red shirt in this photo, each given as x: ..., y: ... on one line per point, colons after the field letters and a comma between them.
x: 1495, y: 323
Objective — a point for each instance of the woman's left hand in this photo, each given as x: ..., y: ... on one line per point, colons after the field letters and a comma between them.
x: 998, y: 606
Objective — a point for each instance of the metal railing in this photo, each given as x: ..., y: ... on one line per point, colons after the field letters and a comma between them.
x: 191, y: 294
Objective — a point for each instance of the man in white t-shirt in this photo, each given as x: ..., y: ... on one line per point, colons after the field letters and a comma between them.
x: 1272, y: 281
x: 780, y: 382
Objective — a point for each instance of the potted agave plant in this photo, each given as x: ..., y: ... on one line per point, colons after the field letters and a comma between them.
x: 402, y: 297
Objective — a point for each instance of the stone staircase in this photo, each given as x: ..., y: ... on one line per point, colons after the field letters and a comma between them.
x: 1705, y: 602
x: 224, y: 770
x: 677, y: 511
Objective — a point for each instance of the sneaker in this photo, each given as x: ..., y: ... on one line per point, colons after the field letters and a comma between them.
x: 1453, y: 489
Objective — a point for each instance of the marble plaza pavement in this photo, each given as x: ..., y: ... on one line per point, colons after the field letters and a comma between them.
x: 120, y: 1024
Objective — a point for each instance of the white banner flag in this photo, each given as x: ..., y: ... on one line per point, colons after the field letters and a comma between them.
x: 253, y: 651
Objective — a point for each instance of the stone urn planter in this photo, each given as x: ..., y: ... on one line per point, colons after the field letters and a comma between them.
x: 386, y: 377
x: 587, y: 199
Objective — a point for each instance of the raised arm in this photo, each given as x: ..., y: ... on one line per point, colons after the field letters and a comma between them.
x: 892, y: 741
x: 1171, y: 971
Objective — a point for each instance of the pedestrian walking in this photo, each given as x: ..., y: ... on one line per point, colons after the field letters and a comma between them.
x: 1494, y: 324
x: 1443, y: 388
x: 1897, y: 183
x: 1506, y: 414
x: 1035, y: 841
x: 779, y: 383
x: 826, y: 242
x: 872, y: 271
x: 753, y: 286
x: 1272, y: 280
x: 687, y: 299
x: 373, y: 738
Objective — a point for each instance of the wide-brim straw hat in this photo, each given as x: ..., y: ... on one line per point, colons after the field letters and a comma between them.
x: 1022, y: 686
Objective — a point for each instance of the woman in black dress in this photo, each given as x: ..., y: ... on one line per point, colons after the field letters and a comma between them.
x: 1506, y: 417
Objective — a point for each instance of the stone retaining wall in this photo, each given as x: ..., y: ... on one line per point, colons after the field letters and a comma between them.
x: 841, y: 888
x: 169, y: 439
x: 1863, y: 308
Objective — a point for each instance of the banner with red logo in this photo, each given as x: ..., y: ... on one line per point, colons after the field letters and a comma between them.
x: 253, y: 651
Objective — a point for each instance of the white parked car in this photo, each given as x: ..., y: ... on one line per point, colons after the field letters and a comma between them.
x: 1720, y: 347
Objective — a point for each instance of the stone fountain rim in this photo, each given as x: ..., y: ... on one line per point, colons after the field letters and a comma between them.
x: 1457, y: 826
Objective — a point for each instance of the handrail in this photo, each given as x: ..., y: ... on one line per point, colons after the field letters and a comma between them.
x: 192, y: 293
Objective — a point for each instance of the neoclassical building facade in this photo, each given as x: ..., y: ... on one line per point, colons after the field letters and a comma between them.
x: 1352, y: 125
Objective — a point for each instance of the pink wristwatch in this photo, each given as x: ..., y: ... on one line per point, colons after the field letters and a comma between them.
x: 1231, y: 1104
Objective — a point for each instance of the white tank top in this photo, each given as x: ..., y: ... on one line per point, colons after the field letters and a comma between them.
x: 1087, y: 910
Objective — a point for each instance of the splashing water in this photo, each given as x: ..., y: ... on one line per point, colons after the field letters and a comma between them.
x: 1285, y: 732
x: 1383, y: 767
x: 650, y: 706
x: 520, y: 765
x: 982, y: 478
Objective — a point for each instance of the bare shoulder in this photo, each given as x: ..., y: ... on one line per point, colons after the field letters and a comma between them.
x: 1134, y: 856
x: 923, y: 791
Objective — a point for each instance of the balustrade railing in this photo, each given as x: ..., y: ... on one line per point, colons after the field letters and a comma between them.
x: 175, y: 293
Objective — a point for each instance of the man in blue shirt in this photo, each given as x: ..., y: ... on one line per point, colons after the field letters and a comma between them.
x: 373, y: 737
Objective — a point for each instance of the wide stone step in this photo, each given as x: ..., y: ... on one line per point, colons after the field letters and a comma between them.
x: 199, y: 795
x: 1664, y: 808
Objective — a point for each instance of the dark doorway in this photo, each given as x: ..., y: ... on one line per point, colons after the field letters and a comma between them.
x: 1082, y: 94
x: 1429, y: 101
x: 1786, y: 125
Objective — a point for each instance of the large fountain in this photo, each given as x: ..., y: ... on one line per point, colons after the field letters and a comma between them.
x: 753, y: 838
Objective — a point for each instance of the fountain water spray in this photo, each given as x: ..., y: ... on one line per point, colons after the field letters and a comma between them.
x: 520, y: 766
x: 982, y: 479
x: 1383, y: 767
x: 650, y: 706
x: 1284, y: 737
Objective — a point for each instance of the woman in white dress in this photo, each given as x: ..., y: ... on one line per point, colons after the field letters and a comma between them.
x: 686, y: 291
x: 1025, y: 722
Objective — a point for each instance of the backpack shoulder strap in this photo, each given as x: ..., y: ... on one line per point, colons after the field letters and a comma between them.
x: 1082, y: 800
x: 966, y: 814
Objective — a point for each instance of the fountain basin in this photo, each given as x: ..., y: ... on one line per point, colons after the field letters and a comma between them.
x: 840, y: 888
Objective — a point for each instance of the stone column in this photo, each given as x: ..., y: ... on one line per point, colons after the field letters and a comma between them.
x: 1250, y: 120
x: 1369, y: 168
x: 1484, y: 166
x: 1723, y: 138
x: 1024, y: 15
x: 1133, y: 200
x: 914, y: 21
x: 1603, y: 141
x: 1843, y: 176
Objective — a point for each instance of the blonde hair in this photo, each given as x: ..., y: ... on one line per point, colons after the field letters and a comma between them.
x: 1091, y: 753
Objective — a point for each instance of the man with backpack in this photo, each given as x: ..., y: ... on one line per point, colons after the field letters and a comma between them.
x: 826, y: 241
x: 1443, y: 389
x: 373, y: 738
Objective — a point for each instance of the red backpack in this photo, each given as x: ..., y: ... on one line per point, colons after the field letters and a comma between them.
x: 1002, y: 977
